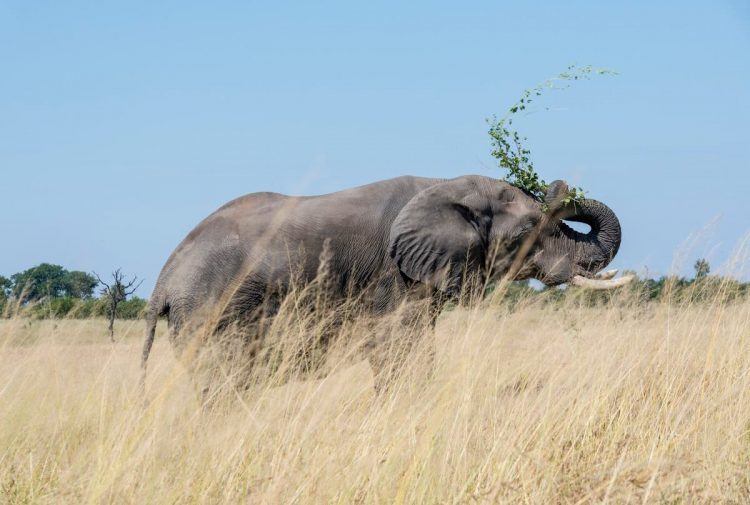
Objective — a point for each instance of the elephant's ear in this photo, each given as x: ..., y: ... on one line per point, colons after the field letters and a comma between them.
x: 438, y: 233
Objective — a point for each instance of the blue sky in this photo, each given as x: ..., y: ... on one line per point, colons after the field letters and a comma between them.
x: 122, y: 127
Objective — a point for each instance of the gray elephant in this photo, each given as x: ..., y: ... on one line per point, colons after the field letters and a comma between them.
x: 385, y: 240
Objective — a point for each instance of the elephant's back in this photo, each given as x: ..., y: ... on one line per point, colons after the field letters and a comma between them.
x: 230, y: 224
x: 260, y: 233
x: 214, y: 253
x: 266, y: 207
x: 251, y: 227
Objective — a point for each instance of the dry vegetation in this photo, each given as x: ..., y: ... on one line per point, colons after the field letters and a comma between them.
x: 542, y: 404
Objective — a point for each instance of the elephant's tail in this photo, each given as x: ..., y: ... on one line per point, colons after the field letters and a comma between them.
x: 156, y: 307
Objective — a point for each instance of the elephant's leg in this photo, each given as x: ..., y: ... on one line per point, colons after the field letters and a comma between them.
x: 218, y: 343
x: 237, y: 344
x: 223, y: 364
x: 187, y: 337
x: 192, y: 343
x: 398, y: 335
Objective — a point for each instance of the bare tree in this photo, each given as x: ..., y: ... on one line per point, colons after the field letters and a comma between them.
x: 115, y: 293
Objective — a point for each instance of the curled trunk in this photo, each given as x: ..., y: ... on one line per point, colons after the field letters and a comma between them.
x: 592, y: 251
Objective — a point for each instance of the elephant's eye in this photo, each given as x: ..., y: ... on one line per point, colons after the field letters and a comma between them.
x: 521, y: 229
x: 527, y: 225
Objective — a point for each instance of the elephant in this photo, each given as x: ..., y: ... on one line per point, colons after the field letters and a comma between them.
x: 386, y: 240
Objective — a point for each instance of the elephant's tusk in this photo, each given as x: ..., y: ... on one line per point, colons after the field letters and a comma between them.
x: 600, y: 283
x: 605, y: 276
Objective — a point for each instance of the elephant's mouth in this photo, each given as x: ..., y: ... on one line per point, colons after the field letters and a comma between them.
x: 597, y: 281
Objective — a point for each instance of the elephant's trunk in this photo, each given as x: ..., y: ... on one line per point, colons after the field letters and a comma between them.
x: 594, y: 250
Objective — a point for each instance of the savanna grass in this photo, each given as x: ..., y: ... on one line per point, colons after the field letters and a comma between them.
x: 564, y: 402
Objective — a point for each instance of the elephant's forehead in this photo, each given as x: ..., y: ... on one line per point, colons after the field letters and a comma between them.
x: 514, y: 209
x: 513, y: 220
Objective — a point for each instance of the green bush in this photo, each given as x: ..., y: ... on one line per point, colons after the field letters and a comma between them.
x: 75, y: 308
x: 132, y: 309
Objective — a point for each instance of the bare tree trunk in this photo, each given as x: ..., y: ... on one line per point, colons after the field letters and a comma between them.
x: 112, y: 311
x: 116, y: 292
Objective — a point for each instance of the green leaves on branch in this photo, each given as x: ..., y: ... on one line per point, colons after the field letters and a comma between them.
x: 508, y: 146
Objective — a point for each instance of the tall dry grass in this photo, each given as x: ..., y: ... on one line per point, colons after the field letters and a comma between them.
x: 545, y: 403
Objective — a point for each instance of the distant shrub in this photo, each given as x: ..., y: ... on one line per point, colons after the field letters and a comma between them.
x: 74, y: 308
x: 132, y: 309
x: 59, y: 307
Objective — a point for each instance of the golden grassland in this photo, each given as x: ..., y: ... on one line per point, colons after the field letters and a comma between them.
x: 545, y: 403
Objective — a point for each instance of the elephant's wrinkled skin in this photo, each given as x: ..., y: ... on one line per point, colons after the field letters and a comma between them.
x: 388, y: 237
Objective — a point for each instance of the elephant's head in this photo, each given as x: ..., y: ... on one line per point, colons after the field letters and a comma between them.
x: 486, y: 228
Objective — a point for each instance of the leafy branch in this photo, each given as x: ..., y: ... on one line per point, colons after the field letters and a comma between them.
x: 508, y: 147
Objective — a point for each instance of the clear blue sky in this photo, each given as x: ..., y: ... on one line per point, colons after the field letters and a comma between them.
x: 122, y: 127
